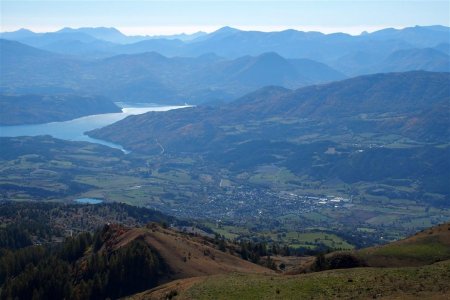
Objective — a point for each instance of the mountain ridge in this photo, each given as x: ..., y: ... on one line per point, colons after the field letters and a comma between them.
x: 336, y: 100
x: 231, y: 43
x: 152, y: 77
x: 37, y: 109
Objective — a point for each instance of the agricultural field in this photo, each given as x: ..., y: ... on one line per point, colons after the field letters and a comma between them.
x: 269, y: 203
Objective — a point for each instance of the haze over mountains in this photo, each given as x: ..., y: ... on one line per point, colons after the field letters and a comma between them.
x: 151, y: 77
x: 231, y: 42
x: 219, y: 66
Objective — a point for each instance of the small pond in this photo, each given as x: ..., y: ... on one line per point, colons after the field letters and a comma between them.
x: 88, y: 201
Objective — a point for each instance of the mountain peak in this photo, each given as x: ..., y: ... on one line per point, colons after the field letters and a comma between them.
x: 18, y: 34
x: 109, y: 34
x: 110, y: 30
x: 91, y: 29
x: 24, y: 30
x: 226, y: 30
x: 66, y: 29
x: 270, y: 56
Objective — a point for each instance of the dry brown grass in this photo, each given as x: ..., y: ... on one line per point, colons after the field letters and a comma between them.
x: 188, y: 256
x: 163, y: 291
x: 224, y: 278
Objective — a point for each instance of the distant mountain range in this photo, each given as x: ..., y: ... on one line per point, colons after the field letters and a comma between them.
x: 212, y: 68
x: 151, y: 77
x: 215, y: 67
x: 352, y: 55
x: 108, y: 34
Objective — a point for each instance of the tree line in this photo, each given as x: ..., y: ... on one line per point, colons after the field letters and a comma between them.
x: 79, y: 268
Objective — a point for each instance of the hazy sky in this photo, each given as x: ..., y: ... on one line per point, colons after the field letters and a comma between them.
x: 168, y: 17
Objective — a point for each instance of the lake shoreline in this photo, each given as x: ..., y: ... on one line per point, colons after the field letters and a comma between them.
x: 75, y: 129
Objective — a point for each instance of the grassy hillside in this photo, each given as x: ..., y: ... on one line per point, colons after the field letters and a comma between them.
x: 426, y: 247
x: 430, y: 282
x: 416, y: 267
x: 160, y: 263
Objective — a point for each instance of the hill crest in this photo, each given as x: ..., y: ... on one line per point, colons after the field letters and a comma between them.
x: 185, y: 255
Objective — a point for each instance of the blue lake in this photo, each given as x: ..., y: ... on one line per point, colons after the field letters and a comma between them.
x: 74, y: 130
x: 88, y: 201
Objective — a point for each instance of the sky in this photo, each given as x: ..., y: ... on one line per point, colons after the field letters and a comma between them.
x: 154, y: 17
